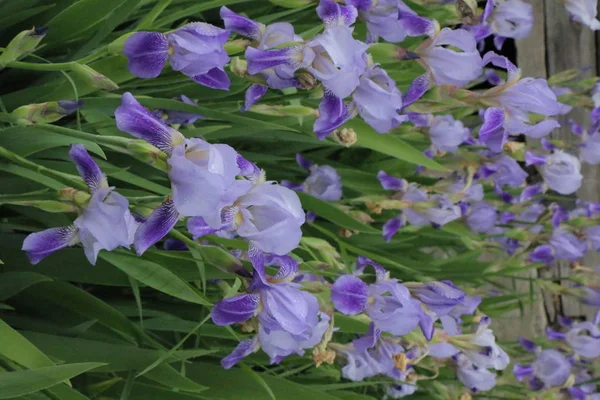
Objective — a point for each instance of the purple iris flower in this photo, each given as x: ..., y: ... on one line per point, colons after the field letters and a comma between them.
x: 104, y: 224
x: 333, y: 113
x: 324, y: 182
x: 195, y: 49
x: 550, y: 369
x: 584, y: 12
x: 489, y: 354
x: 443, y: 212
x: 561, y: 172
x: 203, y: 176
x: 504, y: 171
x: 266, y: 37
x: 505, y: 19
x: 567, y: 246
x: 391, y: 20
x: 334, y: 57
x: 477, y: 379
x: 584, y: 338
x: 449, y: 67
x: 378, y: 101
x: 440, y: 297
x: 387, y: 302
x: 399, y: 390
x: 269, y: 216
x: 173, y: 117
x: 589, y: 150
x: 512, y: 102
x: 447, y: 134
x: 482, y: 217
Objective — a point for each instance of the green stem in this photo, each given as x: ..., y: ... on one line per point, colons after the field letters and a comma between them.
x: 40, y: 67
x: 148, y: 20
x: 59, y: 176
x: 106, y: 140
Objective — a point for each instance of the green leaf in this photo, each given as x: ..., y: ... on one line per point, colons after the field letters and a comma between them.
x: 330, y: 212
x: 390, y: 145
x: 14, y: 346
x: 12, y: 283
x: 20, y: 383
x: 155, y: 276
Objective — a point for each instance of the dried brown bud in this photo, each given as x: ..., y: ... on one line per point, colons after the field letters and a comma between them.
x: 345, y: 136
x: 400, y: 361
x: 323, y: 356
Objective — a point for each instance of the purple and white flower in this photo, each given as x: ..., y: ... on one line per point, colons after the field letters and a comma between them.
x: 584, y: 11
x: 447, y: 134
x: 105, y: 223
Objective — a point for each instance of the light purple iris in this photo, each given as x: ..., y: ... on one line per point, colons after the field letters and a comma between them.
x: 266, y: 37
x: 505, y: 19
x: 387, y: 302
x: 447, y: 134
x: 584, y: 12
x: 400, y: 390
x: 334, y: 57
x: 268, y: 215
x: 195, y: 49
x: 203, y: 176
x: 440, y: 297
x: 392, y: 20
x: 562, y: 172
x: 589, y: 150
x: 378, y: 100
x: 504, y: 171
x: 475, y: 378
x: 482, y: 217
x: 324, y: 183
x: 584, y: 338
x: 449, y: 67
x: 104, y: 224
x: 550, y: 369
x: 288, y: 316
x: 333, y: 113
x: 173, y: 117
x: 512, y: 102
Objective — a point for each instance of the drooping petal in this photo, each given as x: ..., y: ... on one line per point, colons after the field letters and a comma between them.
x: 40, y: 245
x: 303, y: 162
x: 216, y: 78
x: 492, y: 132
x: 88, y: 169
x: 241, y: 25
x: 288, y: 268
x: 417, y: 89
x: 391, y: 227
x: 158, y: 224
x: 242, y: 350
x: 349, y: 295
x: 333, y: 14
x: 136, y: 120
x: 389, y: 182
x: 294, y: 57
x: 198, y: 227
x: 368, y: 340
x: 253, y: 94
x: 333, y: 113
x: 248, y: 169
x: 235, y: 309
x: 416, y: 25
x: 502, y: 62
x: 146, y: 53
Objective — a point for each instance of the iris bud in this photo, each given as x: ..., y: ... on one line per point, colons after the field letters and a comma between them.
x: 93, y: 78
x: 45, y: 112
x: 25, y: 42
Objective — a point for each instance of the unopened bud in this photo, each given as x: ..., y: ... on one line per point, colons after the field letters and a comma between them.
x: 345, y: 136
x: 400, y: 361
x: 306, y: 80
x: 321, y: 353
x: 236, y: 46
x: 45, y: 112
x: 514, y: 147
x: 564, y: 76
x: 238, y: 67
x: 78, y: 197
x: 291, y: 3
x: 347, y: 233
x: 405, y: 55
x: 361, y: 216
x: 284, y: 111
x: 93, y: 78
x: 383, y: 52
x: 116, y: 47
x: 147, y: 153
x: 465, y: 396
x: 467, y: 11
x: 25, y: 42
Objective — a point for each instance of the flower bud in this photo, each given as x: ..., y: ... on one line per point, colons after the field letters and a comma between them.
x: 238, y: 67
x: 345, y: 136
x: 383, y: 52
x: 236, y: 46
x: 45, y: 112
x: 306, y: 80
x: 467, y: 11
x: 284, y: 111
x: 25, y: 42
x: 147, y: 153
x: 564, y: 76
x: 291, y: 3
x: 93, y: 78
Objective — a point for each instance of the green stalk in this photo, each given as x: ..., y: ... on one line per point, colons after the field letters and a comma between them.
x: 99, y: 139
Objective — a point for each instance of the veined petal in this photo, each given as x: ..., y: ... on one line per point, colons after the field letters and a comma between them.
x: 235, y: 309
x: 333, y: 14
x: 40, y: 245
x: 248, y: 169
x: 241, y: 25
x: 136, y: 120
x: 214, y: 79
x: 288, y: 268
x: 242, y: 350
x: 492, y: 132
x: 198, y: 227
x: 417, y: 89
x: 389, y: 182
x: 415, y: 25
x: 333, y: 113
x: 88, y: 169
x: 391, y: 227
x: 349, y: 295
x: 146, y: 53
x: 156, y: 227
x: 254, y: 94
x: 294, y: 57
x: 502, y: 62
